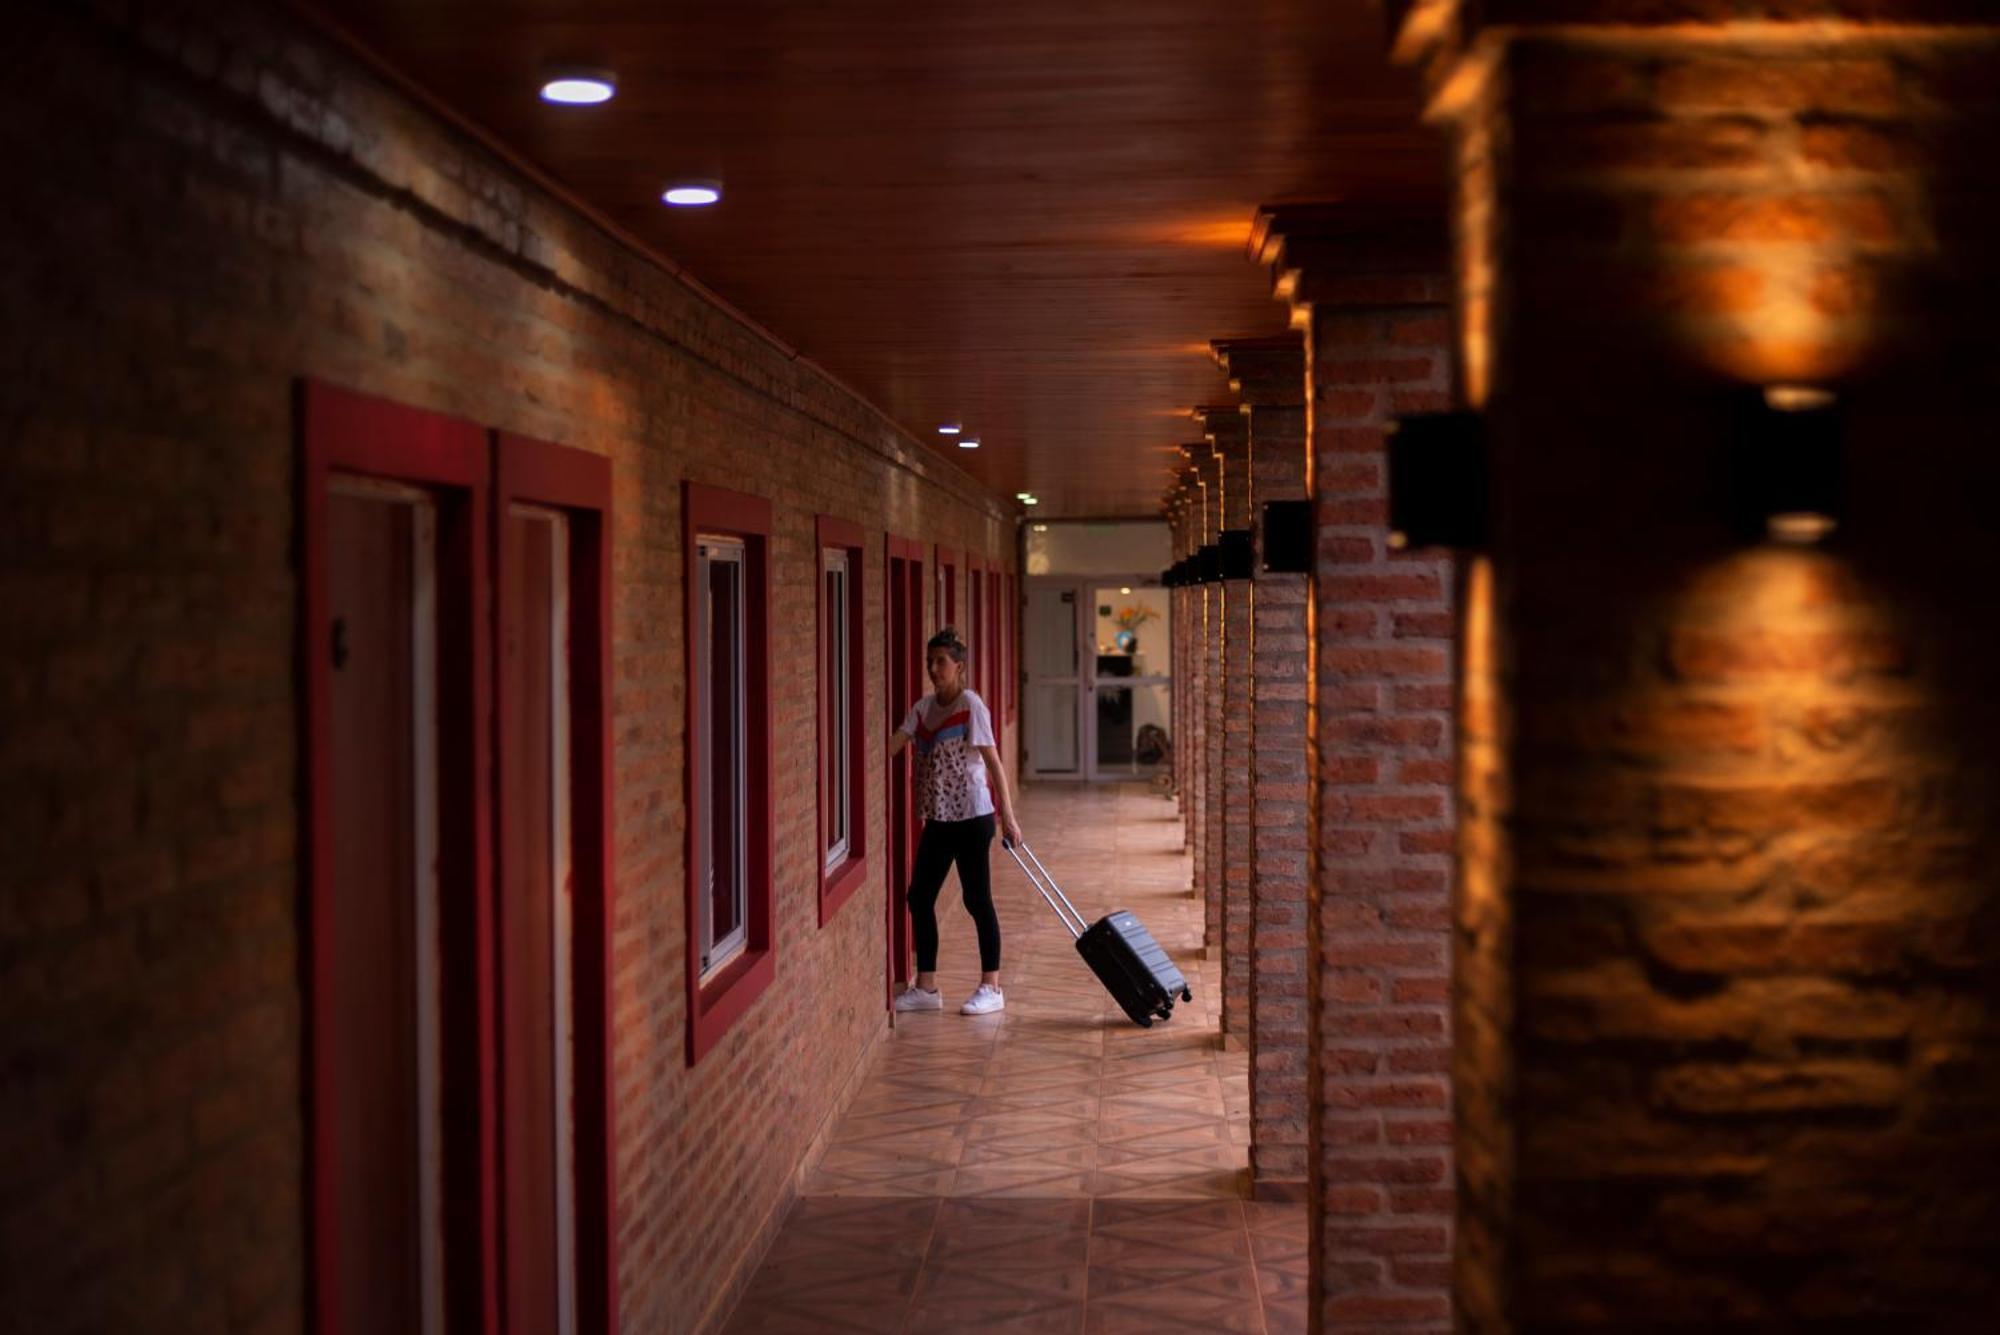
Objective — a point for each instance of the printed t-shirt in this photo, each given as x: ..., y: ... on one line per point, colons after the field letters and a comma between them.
x: 951, y: 775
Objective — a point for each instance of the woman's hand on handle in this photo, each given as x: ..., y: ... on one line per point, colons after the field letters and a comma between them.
x: 1010, y: 830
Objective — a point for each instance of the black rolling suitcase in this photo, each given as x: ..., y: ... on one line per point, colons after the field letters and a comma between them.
x: 1117, y: 947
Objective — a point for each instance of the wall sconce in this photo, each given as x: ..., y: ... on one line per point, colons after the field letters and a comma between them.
x: 1237, y: 553
x: 1288, y: 537
x: 1788, y: 463
x: 1437, y: 481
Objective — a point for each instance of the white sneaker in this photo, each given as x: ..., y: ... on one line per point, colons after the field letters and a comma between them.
x: 984, y: 1001
x: 914, y: 998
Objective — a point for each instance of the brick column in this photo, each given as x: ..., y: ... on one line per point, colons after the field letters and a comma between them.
x: 1268, y: 374
x: 1228, y: 433
x: 1729, y: 970
x: 1181, y: 518
x: 1177, y: 524
x: 1210, y: 468
x: 1369, y: 290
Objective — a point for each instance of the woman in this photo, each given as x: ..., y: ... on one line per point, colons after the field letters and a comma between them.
x: 959, y: 781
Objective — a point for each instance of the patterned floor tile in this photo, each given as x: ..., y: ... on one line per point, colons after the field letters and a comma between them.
x: 1052, y: 1167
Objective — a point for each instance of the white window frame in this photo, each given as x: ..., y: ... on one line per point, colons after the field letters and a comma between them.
x: 711, y: 550
x: 836, y: 770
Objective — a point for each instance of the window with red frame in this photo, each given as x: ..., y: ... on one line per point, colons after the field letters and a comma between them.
x: 843, y: 806
x: 731, y: 956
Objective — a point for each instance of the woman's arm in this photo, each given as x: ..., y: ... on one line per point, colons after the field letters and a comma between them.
x: 1003, y: 800
x: 897, y: 741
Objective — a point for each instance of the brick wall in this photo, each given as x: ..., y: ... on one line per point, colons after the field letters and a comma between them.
x: 209, y: 203
x: 1727, y: 992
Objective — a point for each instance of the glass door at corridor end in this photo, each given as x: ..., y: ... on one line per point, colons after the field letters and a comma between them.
x: 1100, y: 683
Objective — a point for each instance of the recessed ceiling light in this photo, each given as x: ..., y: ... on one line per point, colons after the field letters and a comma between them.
x: 968, y: 443
x: 692, y: 194
x: 579, y: 88
x: 1031, y: 501
x: 1124, y: 589
x: 950, y: 429
x: 1024, y: 495
x: 1041, y: 528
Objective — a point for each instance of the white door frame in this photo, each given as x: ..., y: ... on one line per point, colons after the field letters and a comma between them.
x: 1085, y: 676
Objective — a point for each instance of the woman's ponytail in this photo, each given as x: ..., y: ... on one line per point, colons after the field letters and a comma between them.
x: 948, y: 640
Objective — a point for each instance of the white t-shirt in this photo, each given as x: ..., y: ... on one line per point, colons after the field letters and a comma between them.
x: 951, y: 774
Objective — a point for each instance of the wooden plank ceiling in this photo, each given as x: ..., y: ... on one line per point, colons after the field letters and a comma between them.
x: 1029, y: 216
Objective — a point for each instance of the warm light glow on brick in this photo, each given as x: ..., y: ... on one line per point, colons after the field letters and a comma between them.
x: 1788, y: 333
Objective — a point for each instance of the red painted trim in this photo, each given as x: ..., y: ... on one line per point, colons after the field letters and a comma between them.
x: 714, y: 1007
x: 834, y: 532
x: 837, y: 886
x: 579, y: 483
x: 344, y: 432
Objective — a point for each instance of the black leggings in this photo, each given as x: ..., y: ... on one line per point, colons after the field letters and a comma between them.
x: 966, y: 842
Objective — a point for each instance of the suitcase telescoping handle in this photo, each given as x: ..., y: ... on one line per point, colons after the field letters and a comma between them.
x: 1046, y: 883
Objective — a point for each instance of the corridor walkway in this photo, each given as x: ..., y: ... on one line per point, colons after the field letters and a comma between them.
x: 1053, y: 1167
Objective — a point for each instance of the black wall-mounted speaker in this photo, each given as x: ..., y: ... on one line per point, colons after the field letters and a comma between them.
x: 1288, y: 537
x: 1238, y: 553
x: 1437, y: 481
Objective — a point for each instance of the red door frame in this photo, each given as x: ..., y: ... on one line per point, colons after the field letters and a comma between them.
x: 904, y: 652
x: 578, y: 483
x: 344, y: 432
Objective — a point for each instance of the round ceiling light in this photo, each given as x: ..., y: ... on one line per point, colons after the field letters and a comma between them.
x: 950, y: 429
x: 579, y: 88
x: 692, y: 194
x: 968, y: 442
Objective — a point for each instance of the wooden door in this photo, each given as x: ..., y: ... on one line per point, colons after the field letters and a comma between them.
x: 380, y: 545
x: 538, y: 1038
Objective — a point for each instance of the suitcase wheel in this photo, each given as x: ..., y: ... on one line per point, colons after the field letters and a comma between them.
x: 1145, y: 1021
x: 1187, y: 994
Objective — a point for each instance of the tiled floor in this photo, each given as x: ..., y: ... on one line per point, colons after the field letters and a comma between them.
x: 1053, y: 1167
